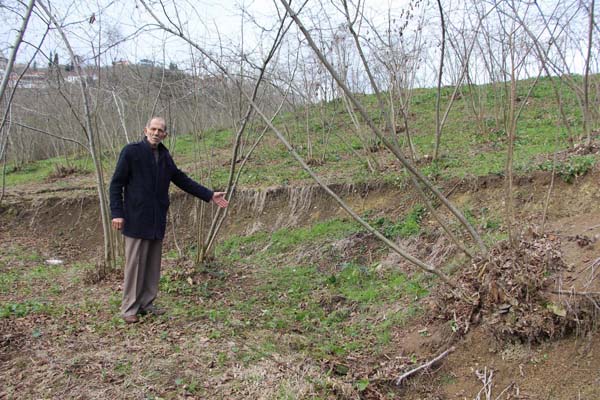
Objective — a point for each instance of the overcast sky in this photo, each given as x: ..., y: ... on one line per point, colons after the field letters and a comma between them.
x: 225, y: 26
x: 208, y: 22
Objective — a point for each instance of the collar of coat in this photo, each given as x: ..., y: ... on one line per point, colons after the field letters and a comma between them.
x: 161, y: 147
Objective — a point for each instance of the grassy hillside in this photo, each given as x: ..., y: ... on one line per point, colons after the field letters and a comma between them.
x: 324, y: 135
x: 317, y: 311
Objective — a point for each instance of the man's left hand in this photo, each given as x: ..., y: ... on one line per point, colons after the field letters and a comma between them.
x: 219, y: 199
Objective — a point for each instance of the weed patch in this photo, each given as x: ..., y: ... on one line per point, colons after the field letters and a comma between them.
x: 404, y: 228
x: 572, y: 168
x: 22, y: 309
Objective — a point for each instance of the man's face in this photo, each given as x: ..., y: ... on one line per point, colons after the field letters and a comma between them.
x: 155, y: 132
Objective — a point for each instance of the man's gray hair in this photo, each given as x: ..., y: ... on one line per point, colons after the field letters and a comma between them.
x: 158, y: 118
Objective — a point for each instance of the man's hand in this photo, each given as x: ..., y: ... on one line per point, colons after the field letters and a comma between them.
x: 117, y: 223
x: 219, y: 199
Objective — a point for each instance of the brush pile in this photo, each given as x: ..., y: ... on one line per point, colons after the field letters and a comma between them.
x: 509, y: 292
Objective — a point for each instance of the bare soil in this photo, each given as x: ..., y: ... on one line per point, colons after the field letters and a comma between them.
x: 88, y: 353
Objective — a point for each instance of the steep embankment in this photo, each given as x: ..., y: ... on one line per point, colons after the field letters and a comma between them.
x: 70, y: 215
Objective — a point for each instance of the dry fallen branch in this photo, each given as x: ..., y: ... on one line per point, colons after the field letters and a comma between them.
x: 574, y: 293
x: 428, y: 364
x: 487, y: 380
x: 512, y: 288
x: 486, y: 377
x: 506, y: 389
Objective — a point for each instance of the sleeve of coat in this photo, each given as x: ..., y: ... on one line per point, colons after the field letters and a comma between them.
x: 117, y: 184
x: 185, y: 183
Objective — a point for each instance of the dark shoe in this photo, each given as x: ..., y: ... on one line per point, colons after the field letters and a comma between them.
x: 130, y: 319
x: 152, y: 309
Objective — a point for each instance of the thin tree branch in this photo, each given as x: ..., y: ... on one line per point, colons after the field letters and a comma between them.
x: 423, y: 366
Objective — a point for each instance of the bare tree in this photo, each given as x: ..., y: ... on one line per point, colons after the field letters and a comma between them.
x: 4, y: 84
x: 438, y: 125
x: 392, y: 145
x: 305, y: 166
x: 586, y: 77
x: 515, y: 50
x: 109, y: 251
x: 221, y: 214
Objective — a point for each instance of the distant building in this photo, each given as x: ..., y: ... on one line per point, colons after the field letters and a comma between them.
x: 73, y: 77
x: 121, y: 61
x: 29, y: 80
x: 42, y: 79
x: 146, y: 62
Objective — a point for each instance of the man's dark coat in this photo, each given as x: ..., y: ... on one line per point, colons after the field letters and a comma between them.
x: 139, y: 190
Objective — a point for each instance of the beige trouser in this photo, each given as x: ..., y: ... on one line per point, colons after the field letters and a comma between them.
x: 142, y: 273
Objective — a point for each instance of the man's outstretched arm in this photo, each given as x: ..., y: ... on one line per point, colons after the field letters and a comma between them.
x: 192, y: 187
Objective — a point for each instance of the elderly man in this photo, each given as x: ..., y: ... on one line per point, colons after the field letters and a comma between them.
x: 139, y: 200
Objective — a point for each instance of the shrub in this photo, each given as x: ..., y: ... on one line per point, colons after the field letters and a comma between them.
x: 572, y: 168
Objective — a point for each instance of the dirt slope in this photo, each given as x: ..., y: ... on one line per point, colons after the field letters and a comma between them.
x: 87, y: 353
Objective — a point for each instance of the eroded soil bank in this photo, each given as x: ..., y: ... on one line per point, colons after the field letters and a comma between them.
x: 70, y: 216
x: 214, y: 343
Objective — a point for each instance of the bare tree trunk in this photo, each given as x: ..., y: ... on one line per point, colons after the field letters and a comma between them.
x: 510, y: 124
x: 586, y: 84
x: 221, y: 213
x: 355, y: 216
x: 543, y: 58
x: 389, y: 122
x: 4, y: 85
x: 563, y: 71
x: 15, y: 48
x: 393, y: 147
x: 351, y: 21
x: 109, y: 252
x: 438, y: 125
x: 550, y: 187
x: 231, y: 191
x: 3, y: 155
x: 121, y: 115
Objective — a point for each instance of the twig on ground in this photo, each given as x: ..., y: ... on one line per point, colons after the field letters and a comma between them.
x: 593, y: 266
x: 505, y: 390
x: 591, y: 228
x: 573, y: 293
x: 428, y: 364
x: 487, y: 380
x: 591, y: 296
x: 453, y: 189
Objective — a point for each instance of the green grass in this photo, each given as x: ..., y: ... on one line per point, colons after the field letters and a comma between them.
x: 26, y: 279
x: 285, y: 239
x: 260, y: 301
x: 572, y: 168
x: 22, y: 309
x: 404, y: 228
x: 42, y: 170
x: 29, y: 286
x: 185, y: 145
x: 473, y: 144
x: 334, y: 311
x: 237, y: 247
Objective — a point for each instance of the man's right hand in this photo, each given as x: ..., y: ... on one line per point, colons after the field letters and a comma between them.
x: 117, y: 223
